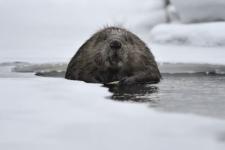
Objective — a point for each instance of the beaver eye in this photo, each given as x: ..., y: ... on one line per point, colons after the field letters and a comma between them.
x: 103, y: 37
x: 100, y: 38
x: 128, y: 39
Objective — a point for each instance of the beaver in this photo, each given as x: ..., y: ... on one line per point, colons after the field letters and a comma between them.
x: 114, y: 54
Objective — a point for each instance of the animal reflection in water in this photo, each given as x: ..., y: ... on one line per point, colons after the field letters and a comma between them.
x: 135, y: 93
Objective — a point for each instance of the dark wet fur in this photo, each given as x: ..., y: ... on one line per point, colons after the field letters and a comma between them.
x: 96, y: 62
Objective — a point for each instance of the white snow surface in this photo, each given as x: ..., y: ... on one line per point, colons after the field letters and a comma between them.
x: 203, y: 34
x: 55, y: 114
x: 188, y: 54
x: 200, y: 10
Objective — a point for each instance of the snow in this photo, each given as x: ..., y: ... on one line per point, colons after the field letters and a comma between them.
x: 54, y: 113
x: 204, y: 34
x: 188, y: 54
x: 200, y: 10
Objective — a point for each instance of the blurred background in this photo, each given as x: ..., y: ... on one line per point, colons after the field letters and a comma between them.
x: 43, y: 28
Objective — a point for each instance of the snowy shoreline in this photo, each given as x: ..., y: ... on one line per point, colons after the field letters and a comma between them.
x: 53, y: 113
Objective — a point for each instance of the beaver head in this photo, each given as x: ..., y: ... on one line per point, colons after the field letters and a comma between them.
x: 114, y: 54
x: 113, y: 45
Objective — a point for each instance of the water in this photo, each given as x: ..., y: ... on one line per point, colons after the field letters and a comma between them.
x: 185, y: 88
x: 198, y: 94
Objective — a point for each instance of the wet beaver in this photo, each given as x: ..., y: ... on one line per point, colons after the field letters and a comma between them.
x: 114, y: 54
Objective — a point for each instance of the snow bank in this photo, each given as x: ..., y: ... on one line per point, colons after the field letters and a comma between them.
x: 56, y: 114
x: 208, y: 34
x: 188, y: 54
x: 200, y: 10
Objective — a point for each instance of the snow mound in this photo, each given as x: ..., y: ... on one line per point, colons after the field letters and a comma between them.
x: 205, y: 34
x: 188, y: 54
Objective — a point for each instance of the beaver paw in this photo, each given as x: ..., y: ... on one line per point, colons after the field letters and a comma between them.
x: 127, y: 81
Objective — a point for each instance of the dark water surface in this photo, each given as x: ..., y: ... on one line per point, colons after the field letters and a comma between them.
x: 199, y: 94
x: 186, y: 88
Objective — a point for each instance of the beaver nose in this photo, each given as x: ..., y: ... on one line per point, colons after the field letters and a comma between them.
x: 115, y: 44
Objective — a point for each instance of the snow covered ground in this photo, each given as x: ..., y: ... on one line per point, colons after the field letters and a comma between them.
x: 188, y: 54
x: 54, y: 114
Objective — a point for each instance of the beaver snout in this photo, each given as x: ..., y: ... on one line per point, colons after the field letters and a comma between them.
x: 115, y: 44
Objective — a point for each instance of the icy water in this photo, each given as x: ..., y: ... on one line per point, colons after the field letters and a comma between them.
x: 185, y: 88
x: 186, y: 93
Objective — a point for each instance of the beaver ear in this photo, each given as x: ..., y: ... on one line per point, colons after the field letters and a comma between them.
x: 98, y: 59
